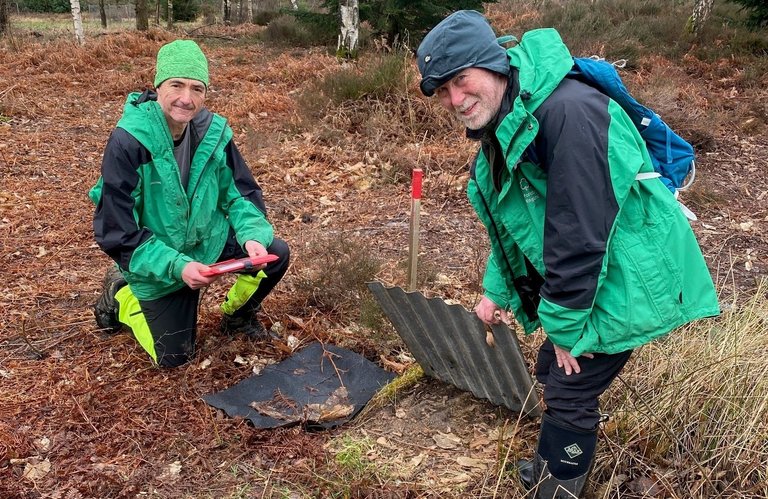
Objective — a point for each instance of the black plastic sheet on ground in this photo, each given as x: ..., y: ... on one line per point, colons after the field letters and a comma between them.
x: 318, y: 387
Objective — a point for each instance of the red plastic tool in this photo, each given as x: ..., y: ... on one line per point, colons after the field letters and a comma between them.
x: 238, y: 264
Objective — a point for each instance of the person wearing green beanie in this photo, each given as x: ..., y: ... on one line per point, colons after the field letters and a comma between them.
x: 181, y: 59
x: 174, y: 197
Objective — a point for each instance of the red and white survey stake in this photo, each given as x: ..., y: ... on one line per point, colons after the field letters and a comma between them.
x: 413, y: 249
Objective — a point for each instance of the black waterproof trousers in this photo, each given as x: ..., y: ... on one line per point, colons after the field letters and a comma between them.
x: 172, y: 319
x: 573, y: 399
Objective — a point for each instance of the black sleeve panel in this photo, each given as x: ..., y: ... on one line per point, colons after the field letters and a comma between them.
x: 114, y: 224
x: 244, y: 181
x: 572, y: 146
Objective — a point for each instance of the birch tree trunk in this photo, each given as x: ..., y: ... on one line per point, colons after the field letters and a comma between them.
x: 142, y: 15
x: 170, y: 14
x: 701, y: 11
x: 103, y: 14
x: 250, y: 11
x: 4, y: 24
x: 350, y: 28
x: 77, y: 19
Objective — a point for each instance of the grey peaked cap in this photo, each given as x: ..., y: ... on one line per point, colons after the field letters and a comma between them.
x: 462, y: 40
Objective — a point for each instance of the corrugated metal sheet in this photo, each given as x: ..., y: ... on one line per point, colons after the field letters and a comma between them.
x: 449, y: 343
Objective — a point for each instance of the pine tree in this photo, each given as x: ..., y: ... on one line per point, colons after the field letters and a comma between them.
x: 757, y: 10
x: 406, y: 20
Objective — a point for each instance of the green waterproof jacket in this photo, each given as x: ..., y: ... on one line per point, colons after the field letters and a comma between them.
x: 603, y: 262
x: 148, y: 222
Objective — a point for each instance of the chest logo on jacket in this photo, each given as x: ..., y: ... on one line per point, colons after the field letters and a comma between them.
x: 529, y: 194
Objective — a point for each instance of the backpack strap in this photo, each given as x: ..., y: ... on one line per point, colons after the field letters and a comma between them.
x: 691, y: 177
x: 647, y: 175
x: 507, y: 39
x: 686, y: 211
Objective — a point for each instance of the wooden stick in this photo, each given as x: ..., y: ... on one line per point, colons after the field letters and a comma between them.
x: 413, y: 250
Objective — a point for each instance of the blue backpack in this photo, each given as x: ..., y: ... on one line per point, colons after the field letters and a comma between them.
x: 671, y: 155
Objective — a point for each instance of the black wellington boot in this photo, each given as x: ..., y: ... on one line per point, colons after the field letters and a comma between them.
x: 562, y: 463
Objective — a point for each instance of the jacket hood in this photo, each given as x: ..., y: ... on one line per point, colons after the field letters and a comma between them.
x: 542, y: 60
x: 143, y: 117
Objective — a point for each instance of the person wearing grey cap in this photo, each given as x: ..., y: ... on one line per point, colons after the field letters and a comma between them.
x: 599, y: 258
x: 174, y: 197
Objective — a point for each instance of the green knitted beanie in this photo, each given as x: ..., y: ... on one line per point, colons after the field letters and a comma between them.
x: 181, y: 59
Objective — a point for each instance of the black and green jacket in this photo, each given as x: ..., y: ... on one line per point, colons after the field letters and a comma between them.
x: 148, y: 222
x: 603, y: 262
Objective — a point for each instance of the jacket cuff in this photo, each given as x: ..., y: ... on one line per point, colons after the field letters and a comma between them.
x: 263, y: 235
x: 178, y: 266
x: 563, y: 326
x: 501, y: 301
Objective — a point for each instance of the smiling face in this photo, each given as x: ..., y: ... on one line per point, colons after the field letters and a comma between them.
x: 473, y: 96
x: 180, y: 99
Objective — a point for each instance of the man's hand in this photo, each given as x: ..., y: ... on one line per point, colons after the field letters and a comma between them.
x: 490, y: 313
x: 568, y: 361
x: 255, y: 249
x: 193, y: 278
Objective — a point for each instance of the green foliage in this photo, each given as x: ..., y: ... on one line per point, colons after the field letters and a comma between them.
x: 324, y: 27
x: 628, y: 29
x: 53, y: 6
x: 380, y: 79
x: 373, y: 79
x: 405, y: 21
x: 208, y: 12
x: 371, y: 315
x: 285, y: 30
x: 300, y: 28
x: 757, y: 10
x: 183, y: 10
x: 352, y: 460
x: 264, y: 17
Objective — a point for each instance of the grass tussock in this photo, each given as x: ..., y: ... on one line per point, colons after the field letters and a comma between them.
x: 376, y: 102
x: 630, y: 29
x: 336, y: 282
x: 356, y: 471
x: 379, y: 83
x: 287, y: 31
x: 385, y: 76
x: 392, y: 390
x: 264, y: 17
x: 695, y: 406
x: 662, y: 56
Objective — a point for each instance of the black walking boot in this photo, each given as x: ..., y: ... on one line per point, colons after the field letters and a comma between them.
x: 106, y: 307
x: 248, y: 324
x: 562, y: 463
